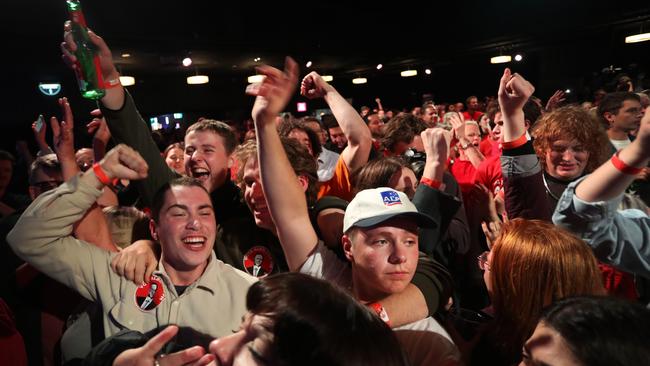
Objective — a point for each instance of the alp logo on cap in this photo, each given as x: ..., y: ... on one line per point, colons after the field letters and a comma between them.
x: 390, y: 198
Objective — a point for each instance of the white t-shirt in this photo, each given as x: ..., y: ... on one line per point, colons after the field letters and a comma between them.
x: 620, y: 144
x: 326, y: 164
x: 323, y: 263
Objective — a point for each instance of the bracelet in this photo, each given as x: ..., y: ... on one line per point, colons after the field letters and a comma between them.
x: 515, y: 143
x: 380, y: 311
x: 624, y: 168
x: 433, y: 183
x: 101, y: 176
x: 112, y: 83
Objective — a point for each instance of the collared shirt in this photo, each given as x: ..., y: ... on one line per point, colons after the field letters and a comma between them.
x: 214, y: 304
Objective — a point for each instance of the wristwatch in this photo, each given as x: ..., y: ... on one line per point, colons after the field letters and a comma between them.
x: 464, y: 146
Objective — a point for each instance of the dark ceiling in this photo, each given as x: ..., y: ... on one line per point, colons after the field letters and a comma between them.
x: 564, y: 42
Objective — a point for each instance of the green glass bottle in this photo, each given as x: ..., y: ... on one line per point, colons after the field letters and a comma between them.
x: 89, y: 74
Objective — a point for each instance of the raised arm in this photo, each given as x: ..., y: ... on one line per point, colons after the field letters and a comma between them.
x: 92, y: 227
x: 284, y: 193
x: 123, y: 119
x: 42, y: 236
x: 589, y: 208
x: 472, y: 152
x: 355, y: 129
x: 514, y: 92
x: 525, y: 196
x: 612, y: 178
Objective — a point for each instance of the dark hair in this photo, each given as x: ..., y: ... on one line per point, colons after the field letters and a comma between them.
x: 159, y: 197
x: 316, y: 323
x: 48, y: 163
x: 532, y: 111
x: 377, y: 173
x: 220, y: 128
x: 6, y: 155
x: 613, y: 102
x: 402, y: 128
x: 302, y: 163
x: 286, y: 127
x: 602, y: 330
x: 329, y: 121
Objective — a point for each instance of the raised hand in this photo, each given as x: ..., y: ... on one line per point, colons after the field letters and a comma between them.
x: 458, y: 125
x: 147, y: 354
x: 68, y: 47
x: 39, y: 129
x: 514, y: 92
x: 97, y: 127
x: 63, y: 133
x: 275, y: 91
x: 555, y: 100
x: 122, y: 162
x: 313, y: 86
x: 436, y: 146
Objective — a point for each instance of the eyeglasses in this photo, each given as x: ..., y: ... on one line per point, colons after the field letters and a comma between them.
x: 46, y: 185
x: 483, y: 263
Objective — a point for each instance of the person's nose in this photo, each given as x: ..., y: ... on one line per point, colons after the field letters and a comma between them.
x: 398, y: 256
x: 225, y: 348
x: 568, y: 154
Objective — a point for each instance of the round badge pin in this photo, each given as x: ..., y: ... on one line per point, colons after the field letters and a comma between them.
x: 258, y: 261
x: 150, y: 295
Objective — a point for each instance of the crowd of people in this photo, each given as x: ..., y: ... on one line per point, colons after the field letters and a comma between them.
x: 496, y: 232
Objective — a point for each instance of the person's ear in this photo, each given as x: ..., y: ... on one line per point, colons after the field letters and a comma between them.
x: 609, y: 117
x: 347, y: 247
x: 153, y: 229
x: 304, y: 182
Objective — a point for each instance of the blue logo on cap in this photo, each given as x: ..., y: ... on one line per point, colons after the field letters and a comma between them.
x: 390, y: 198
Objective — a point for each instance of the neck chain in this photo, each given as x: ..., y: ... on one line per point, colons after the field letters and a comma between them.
x: 548, y: 189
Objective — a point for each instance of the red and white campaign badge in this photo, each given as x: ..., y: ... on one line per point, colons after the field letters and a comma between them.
x: 150, y: 295
x: 258, y: 261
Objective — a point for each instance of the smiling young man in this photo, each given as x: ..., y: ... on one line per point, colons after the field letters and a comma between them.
x: 189, y: 282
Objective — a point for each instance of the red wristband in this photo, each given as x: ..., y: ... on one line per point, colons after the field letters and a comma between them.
x: 101, y: 176
x: 113, y: 83
x: 624, y: 168
x: 433, y: 183
x: 516, y: 143
x: 380, y: 311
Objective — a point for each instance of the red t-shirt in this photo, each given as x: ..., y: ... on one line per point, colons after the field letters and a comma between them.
x: 465, y: 174
x: 489, y: 174
x: 474, y: 117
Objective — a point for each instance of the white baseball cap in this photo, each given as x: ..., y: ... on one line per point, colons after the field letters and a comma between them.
x: 374, y: 206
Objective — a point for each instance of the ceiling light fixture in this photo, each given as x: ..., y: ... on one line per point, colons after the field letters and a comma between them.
x: 127, y: 80
x: 636, y: 38
x: 328, y: 78
x: 500, y: 59
x: 380, y: 66
x: 198, y: 79
x: 187, y: 61
x: 308, y: 64
x: 126, y: 55
x: 359, y: 81
x: 427, y: 71
x: 518, y: 57
x: 255, y: 79
x: 408, y: 73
